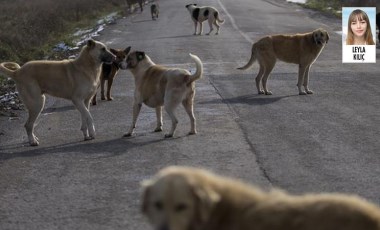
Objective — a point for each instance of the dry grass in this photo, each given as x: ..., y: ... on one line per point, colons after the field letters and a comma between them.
x: 28, y: 28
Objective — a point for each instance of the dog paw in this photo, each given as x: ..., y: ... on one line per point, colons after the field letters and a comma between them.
x: 168, y: 135
x: 89, y: 138
x: 110, y: 99
x: 159, y: 129
x: 34, y: 143
x: 103, y: 98
x: 192, y: 133
x: 261, y: 92
x: 302, y: 93
x: 127, y: 135
x: 309, y: 92
x: 268, y: 93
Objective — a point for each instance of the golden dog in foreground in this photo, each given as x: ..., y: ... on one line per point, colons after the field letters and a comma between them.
x: 181, y: 198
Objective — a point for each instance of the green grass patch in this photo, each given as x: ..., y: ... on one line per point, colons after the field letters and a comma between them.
x: 333, y: 7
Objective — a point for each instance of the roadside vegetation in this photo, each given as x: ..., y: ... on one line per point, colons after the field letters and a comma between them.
x: 333, y: 7
x: 29, y: 29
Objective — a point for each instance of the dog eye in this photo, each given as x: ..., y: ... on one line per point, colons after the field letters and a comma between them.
x: 158, y: 205
x: 180, y: 207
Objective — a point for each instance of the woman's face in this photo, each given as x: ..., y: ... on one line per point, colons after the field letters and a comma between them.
x: 359, y: 27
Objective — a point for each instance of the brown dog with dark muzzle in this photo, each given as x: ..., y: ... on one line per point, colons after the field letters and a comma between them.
x: 109, y: 71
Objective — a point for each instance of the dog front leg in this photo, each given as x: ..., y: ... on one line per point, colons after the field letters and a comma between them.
x: 306, y: 81
x: 102, y: 82
x: 159, y: 119
x: 87, y: 126
x: 196, y: 27
x: 200, y: 28
x: 136, y: 111
x: 301, y: 76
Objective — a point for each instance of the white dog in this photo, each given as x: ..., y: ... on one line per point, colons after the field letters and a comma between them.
x: 200, y: 14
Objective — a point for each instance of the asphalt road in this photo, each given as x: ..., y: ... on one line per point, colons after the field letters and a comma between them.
x: 326, y: 142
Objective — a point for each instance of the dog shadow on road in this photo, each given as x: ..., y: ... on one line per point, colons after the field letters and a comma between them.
x: 101, y: 149
x: 249, y: 100
x: 140, y: 21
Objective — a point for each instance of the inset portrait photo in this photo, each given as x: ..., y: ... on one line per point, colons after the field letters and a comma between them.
x: 359, y: 34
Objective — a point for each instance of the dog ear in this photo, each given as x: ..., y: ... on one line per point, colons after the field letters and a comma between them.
x: 206, y: 199
x: 90, y: 43
x: 140, y: 55
x: 146, y: 186
x: 327, y: 37
x: 113, y: 51
x: 127, y: 50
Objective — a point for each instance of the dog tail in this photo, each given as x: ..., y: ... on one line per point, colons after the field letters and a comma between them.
x: 221, y: 21
x: 199, y: 72
x: 251, y: 60
x: 9, y: 68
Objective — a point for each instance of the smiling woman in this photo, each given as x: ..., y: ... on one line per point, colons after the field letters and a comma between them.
x: 359, y: 29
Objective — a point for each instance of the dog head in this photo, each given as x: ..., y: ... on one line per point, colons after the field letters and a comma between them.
x: 99, y: 51
x: 176, y: 199
x: 191, y: 6
x: 320, y: 36
x: 120, y: 55
x: 133, y: 59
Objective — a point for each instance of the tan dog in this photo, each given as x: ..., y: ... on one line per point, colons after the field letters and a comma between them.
x: 75, y: 80
x: 302, y: 49
x: 181, y: 198
x: 109, y: 71
x: 158, y: 86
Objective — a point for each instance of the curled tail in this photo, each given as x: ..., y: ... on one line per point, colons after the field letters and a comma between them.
x: 199, y: 72
x: 216, y: 15
x: 251, y: 60
x: 9, y: 68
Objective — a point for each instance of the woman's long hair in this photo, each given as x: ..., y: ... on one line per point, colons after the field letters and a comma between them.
x: 359, y: 15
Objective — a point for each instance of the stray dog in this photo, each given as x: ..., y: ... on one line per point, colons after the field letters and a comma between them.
x: 109, y: 72
x: 75, y: 80
x: 200, y: 14
x: 158, y: 86
x: 154, y: 11
x: 302, y: 49
x: 181, y: 198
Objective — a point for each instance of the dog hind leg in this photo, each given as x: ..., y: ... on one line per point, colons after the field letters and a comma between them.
x: 189, y: 107
x: 210, y: 24
x: 172, y: 100
x: 159, y: 119
x: 34, y: 108
x: 102, y: 82
x: 258, y: 79
x: 217, y: 27
x: 109, y: 85
x: 268, y: 69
